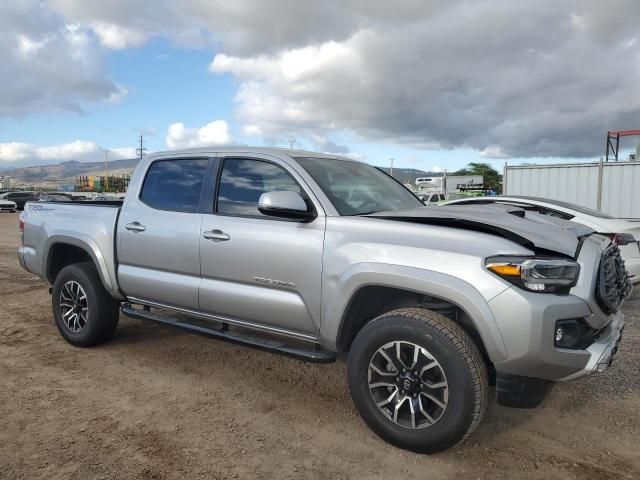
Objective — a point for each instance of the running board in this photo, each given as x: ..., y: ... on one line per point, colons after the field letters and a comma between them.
x: 316, y: 356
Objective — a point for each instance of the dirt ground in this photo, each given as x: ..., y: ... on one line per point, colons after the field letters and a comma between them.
x: 159, y: 403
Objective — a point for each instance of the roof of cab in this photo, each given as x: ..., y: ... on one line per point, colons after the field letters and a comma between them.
x: 245, y: 149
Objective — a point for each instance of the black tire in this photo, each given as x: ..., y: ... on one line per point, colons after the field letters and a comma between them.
x: 101, y: 310
x: 460, y: 363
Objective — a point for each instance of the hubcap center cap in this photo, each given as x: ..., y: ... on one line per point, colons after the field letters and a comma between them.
x: 408, y: 383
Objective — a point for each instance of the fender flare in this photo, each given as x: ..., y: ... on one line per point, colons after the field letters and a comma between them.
x: 427, y: 282
x: 87, y: 244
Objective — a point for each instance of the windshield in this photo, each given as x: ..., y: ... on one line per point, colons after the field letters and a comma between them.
x: 357, y: 188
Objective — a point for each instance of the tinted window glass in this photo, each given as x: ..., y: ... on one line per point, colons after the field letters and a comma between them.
x: 174, y: 185
x: 356, y: 188
x: 243, y: 181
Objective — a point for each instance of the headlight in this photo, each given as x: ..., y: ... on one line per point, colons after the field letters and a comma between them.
x: 536, y: 274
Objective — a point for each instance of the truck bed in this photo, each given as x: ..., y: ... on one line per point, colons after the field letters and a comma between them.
x: 88, y: 225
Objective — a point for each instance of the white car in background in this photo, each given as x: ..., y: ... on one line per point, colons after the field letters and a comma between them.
x: 600, y: 222
x: 8, y: 206
x: 431, y: 198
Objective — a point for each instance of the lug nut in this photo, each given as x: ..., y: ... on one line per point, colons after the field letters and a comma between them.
x: 414, y: 394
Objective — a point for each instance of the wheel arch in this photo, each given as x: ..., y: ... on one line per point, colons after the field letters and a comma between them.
x: 61, y: 251
x: 369, y: 291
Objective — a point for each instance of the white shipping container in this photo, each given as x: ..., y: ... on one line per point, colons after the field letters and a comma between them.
x: 611, y: 187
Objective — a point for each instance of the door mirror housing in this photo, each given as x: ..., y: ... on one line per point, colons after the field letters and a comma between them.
x: 285, y: 204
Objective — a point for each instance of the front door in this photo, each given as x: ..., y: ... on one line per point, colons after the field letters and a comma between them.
x: 159, y: 233
x: 258, y: 269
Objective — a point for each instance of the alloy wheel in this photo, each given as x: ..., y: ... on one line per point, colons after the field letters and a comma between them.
x: 408, y: 384
x: 74, y: 307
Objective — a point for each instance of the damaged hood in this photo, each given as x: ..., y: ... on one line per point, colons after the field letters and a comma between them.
x: 529, y: 229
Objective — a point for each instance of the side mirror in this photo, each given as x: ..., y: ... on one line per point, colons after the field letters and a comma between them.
x: 285, y: 204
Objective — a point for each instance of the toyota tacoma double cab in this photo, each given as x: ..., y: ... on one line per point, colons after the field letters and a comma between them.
x: 321, y: 257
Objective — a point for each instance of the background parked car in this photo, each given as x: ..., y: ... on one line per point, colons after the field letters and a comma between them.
x: 600, y: 222
x: 432, y: 198
x: 55, y: 197
x: 7, y: 206
x: 20, y: 198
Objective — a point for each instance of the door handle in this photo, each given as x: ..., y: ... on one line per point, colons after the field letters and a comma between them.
x: 216, y: 235
x: 135, y: 227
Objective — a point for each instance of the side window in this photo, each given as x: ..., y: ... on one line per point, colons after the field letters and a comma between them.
x: 243, y: 181
x: 174, y: 185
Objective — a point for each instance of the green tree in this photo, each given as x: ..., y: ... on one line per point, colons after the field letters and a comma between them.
x: 492, y: 178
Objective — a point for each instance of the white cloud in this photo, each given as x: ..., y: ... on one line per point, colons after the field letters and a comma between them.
x: 47, y: 63
x: 493, y: 152
x: 214, y: 133
x: 437, y: 169
x: 14, y: 154
x: 122, y: 152
x: 468, y: 75
x: 117, y: 37
x: 504, y: 78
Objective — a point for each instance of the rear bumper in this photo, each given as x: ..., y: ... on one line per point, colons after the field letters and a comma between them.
x: 21, y: 258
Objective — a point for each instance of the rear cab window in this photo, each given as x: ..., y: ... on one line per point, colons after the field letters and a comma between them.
x: 174, y: 184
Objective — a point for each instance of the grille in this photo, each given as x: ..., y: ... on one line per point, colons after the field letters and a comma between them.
x: 613, y: 282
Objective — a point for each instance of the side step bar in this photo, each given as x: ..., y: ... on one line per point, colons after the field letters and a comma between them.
x: 316, y: 356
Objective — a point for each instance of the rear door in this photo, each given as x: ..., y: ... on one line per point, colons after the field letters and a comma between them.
x: 258, y: 269
x: 159, y: 232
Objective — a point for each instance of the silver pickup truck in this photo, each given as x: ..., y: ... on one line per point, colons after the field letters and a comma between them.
x: 318, y: 256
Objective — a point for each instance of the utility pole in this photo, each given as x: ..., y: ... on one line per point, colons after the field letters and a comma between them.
x: 292, y: 142
x: 391, y: 160
x: 106, y: 171
x: 142, y: 150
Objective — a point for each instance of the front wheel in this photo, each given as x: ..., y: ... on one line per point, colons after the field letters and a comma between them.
x: 417, y: 380
x: 84, y: 312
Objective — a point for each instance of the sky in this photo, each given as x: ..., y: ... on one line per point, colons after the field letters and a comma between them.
x: 433, y: 85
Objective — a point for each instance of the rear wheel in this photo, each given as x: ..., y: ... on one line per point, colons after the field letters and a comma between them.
x: 84, y: 312
x: 417, y: 380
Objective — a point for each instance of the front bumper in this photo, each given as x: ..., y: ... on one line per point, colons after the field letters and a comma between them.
x: 527, y: 322
x: 601, y: 351
x: 519, y: 391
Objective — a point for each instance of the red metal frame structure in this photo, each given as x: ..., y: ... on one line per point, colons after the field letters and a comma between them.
x: 615, y: 135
